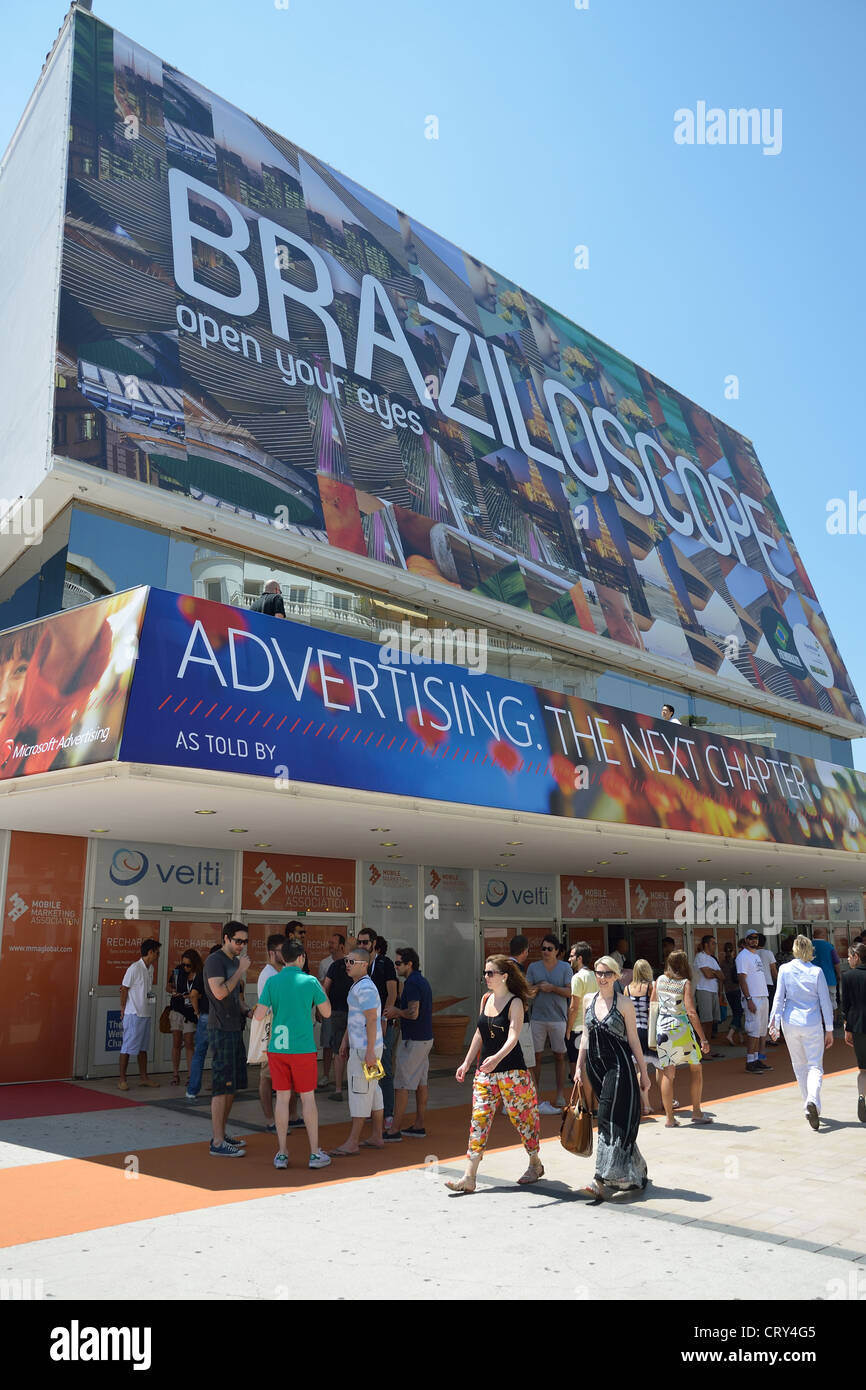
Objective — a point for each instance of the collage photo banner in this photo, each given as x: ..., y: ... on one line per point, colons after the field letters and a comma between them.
x: 244, y: 325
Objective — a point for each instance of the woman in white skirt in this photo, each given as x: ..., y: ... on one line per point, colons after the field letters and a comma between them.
x: 802, y: 1007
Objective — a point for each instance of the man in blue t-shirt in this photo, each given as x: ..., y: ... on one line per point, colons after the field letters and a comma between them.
x: 828, y: 962
x: 415, y: 1012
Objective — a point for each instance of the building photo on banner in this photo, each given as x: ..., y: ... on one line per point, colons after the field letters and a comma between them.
x: 428, y: 767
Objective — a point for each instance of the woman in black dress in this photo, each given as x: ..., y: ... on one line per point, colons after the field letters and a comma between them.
x: 609, y: 1051
x: 854, y: 1016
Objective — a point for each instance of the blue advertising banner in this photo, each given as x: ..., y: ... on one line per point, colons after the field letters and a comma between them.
x: 238, y: 691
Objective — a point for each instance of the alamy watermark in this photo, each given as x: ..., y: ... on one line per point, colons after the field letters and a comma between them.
x: 846, y: 517
x: 717, y: 907
x: 419, y: 646
x: 22, y: 516
x: 737, y: 126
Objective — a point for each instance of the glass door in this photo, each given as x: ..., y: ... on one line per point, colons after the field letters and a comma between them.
x: 118, y: 947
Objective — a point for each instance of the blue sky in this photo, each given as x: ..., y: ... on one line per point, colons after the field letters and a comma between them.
x: 555, y: 130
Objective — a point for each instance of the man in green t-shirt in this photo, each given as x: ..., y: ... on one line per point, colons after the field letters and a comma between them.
x: 291, y: 996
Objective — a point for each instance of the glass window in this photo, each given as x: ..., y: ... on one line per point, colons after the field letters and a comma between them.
x: 107, y: 555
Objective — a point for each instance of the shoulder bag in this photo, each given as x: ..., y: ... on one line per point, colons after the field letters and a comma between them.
x: 575, y: 1132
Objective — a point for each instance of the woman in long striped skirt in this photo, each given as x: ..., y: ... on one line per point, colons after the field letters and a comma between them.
x: 609, y: 1051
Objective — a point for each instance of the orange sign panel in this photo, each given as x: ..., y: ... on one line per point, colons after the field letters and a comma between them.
x: 40, y: 955
x: 809, y: 905
x: 297, y: 883
x: 120, y: 946
x: 652, y: 899
x: 187, y: 936
x: 587, y: 897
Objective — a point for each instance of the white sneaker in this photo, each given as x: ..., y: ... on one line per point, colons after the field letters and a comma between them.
x: 545, y: 1108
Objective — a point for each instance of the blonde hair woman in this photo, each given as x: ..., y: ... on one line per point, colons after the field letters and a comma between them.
x: 802, y: 1008
x: 612, y: 1059
x: 638, y: 991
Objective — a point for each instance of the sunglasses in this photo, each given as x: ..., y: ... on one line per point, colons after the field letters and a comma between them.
x: 241, y: 940
x: 603, y: 974
x: 488, y: 973
x: 548, y: 948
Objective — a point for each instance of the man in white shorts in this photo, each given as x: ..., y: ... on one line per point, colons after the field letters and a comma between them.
x: 411, y: 1064
x: 362, y: 1046
x: 756, y: 1003
x: 707, y: 977
x: 552, y: 978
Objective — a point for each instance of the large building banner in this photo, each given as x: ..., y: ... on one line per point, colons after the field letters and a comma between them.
x: 233, y: 690
x: 247, y: 326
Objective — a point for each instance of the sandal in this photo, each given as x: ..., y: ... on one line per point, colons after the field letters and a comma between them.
x: 175, y: 1080
x: 532, y: 1174
x: 592, y: 1191
x: 460, y: 1187
x: 672, y: 1124
x: 702, y: 1119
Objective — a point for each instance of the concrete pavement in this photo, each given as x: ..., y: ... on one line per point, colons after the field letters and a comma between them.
x: 756, y: 1203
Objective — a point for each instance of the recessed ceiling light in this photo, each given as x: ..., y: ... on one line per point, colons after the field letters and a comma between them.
x: 205, y: 813
x: 388, y: 842
x: 604, y: 861
x: 99, y: 832
x: 502, y: 866
x: 681, y: 868
x: 262, y: 844
x: 395, y: 856
x: 380, y: 830
x: 620, y: 851
x: 237, y: 831
x: 589, y: 871
x: 705, y: 861
x: 662, y: 875
x: 508, y: 854
x: 514, y: 842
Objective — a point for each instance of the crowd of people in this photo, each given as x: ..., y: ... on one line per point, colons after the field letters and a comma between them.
x: 608, y: 1023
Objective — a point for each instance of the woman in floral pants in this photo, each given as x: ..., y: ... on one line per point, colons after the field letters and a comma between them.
x: 502, y: 1077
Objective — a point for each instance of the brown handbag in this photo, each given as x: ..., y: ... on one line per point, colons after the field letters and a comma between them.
x: 165, y: 1020
x: 575, y: 1133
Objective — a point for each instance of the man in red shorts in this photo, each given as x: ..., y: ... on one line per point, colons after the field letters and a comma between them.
x: 291, y: 996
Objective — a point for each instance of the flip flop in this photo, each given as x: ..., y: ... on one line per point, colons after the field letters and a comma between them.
x: 344, y: 1153
x: 590, y: 1192
x: 368, y: 1144
x: 703, y: 1120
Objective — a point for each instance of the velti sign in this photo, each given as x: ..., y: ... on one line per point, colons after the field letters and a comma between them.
x: 155, y: 874
x: 366, y: 378
x: 516, y: 896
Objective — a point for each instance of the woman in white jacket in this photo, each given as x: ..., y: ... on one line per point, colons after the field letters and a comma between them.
x: 802, y: 1007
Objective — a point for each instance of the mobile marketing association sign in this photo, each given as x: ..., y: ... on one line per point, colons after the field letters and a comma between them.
x: 237, y: 691
x: 368, y: 380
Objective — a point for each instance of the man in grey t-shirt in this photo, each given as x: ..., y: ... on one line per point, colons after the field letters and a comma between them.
x: 224, y: 974
x: 552, y: 979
